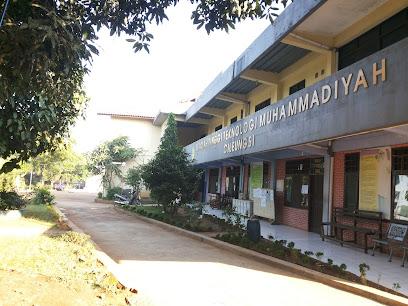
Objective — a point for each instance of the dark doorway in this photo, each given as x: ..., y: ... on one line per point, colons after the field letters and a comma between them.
x: 232, y: 181
x: 315, y: 203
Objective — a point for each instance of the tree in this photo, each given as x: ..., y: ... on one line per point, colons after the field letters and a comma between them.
x: 106, y: 159
x: 170, y: 175
x: 64, y: 164
x: 134, y: 178
x: 46, y: 47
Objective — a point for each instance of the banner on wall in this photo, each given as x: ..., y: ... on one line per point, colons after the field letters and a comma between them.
x: 375, y: 180
x: 369, y: 180
x: 256, y: 177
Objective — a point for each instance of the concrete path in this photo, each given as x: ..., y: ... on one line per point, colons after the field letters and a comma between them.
x: 170, y: 269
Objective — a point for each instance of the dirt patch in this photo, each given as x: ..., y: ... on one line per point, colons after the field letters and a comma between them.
x: 22, y: 289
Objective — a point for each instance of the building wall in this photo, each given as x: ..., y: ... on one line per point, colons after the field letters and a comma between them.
x: 142, y: 135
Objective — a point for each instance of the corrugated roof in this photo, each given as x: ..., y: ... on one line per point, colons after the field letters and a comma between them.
x: 216, y: 103
x: 279, y: 58
x: 241, y: 86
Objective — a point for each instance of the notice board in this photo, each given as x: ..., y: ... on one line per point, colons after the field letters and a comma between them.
x: 375, y: 180
x: 369, y: 180
x: 264, y: 204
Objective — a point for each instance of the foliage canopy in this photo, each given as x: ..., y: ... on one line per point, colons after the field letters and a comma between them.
x: 47, y: 45
x: 106, y: 159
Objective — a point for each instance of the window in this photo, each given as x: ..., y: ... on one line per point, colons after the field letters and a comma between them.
x: 351, y: 180
x: 203, y: 135
x: 385, y: 34
x: 265, y: 180
x: 262, y: 105
x: 297, y: 87
x: 213, y: 180
x: 400, y: 183
x: 242, y: 113
x: 218, y: 127
x: 233, y: 120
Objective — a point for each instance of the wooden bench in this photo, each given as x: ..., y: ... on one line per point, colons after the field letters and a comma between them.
x: 353, y: 221
x: 396, y: 237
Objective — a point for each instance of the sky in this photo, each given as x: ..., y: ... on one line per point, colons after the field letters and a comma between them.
x: 181, y: 63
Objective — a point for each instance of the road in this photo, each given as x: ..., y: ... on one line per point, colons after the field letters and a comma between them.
x: 170, y: 269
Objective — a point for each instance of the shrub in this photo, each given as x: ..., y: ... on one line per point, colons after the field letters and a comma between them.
x: 173, y: 222
x: 43, y: 197
x: 110, y: 192
x: 234, y: 238
x: 196, y: 228
x: 187, y: 226
x: 156, y: 216
x: 99, y: 195
x: 319, y: 255
x: 167, y: 219
x: 330, y: 261
x: 210, y: 229
x: 295, y: 254
x: 11, y: 201
x: 160, y: 218
x: 225, y: 237
x: 261, y: 247
x: 281, y: 242
x: 306, y: 260
x: 180, y: 224
x: 280, y: 253
x: 245, y: 242
x: 149, y: 215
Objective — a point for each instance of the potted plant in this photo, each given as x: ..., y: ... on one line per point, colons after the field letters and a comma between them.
x: 12, y: 206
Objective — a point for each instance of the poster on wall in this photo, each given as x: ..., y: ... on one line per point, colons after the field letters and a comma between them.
x: 375, y: 180
x: 256, y: 177
x: 369, y: 180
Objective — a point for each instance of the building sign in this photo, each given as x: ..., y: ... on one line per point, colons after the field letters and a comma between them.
x: 362, y: 97
x: 240, y: 136
x: 317, y: 166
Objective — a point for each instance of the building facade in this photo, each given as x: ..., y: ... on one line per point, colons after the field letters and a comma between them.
x: 313, y: 115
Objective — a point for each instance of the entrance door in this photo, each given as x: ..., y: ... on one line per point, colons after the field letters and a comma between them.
x: 315, y: 203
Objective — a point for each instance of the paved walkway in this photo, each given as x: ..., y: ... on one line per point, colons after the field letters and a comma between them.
x: 171, y: 269
x: 382, y: 271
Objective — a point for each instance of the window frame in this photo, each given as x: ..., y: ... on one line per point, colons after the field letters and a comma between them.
x: 351, y: 173
x: 213, y: 185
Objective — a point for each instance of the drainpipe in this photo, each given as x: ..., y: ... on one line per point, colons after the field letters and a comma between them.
x: 331, y: 182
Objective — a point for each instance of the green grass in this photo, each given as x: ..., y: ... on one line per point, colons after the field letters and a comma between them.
x: 64, y: 258
x: 40, y: 213
x: 151, y: 209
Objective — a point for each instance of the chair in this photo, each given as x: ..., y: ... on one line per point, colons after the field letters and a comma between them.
x: 396, y: 236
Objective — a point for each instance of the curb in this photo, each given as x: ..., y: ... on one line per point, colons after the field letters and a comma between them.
x: 335, y: 282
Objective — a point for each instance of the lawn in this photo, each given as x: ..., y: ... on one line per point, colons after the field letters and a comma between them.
x: 67, y: 261
x: 40, y: 213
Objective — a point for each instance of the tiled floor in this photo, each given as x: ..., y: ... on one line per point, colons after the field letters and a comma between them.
x: 382, y: 271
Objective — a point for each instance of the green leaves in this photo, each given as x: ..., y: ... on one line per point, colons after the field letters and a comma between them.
x: 170, y: 175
